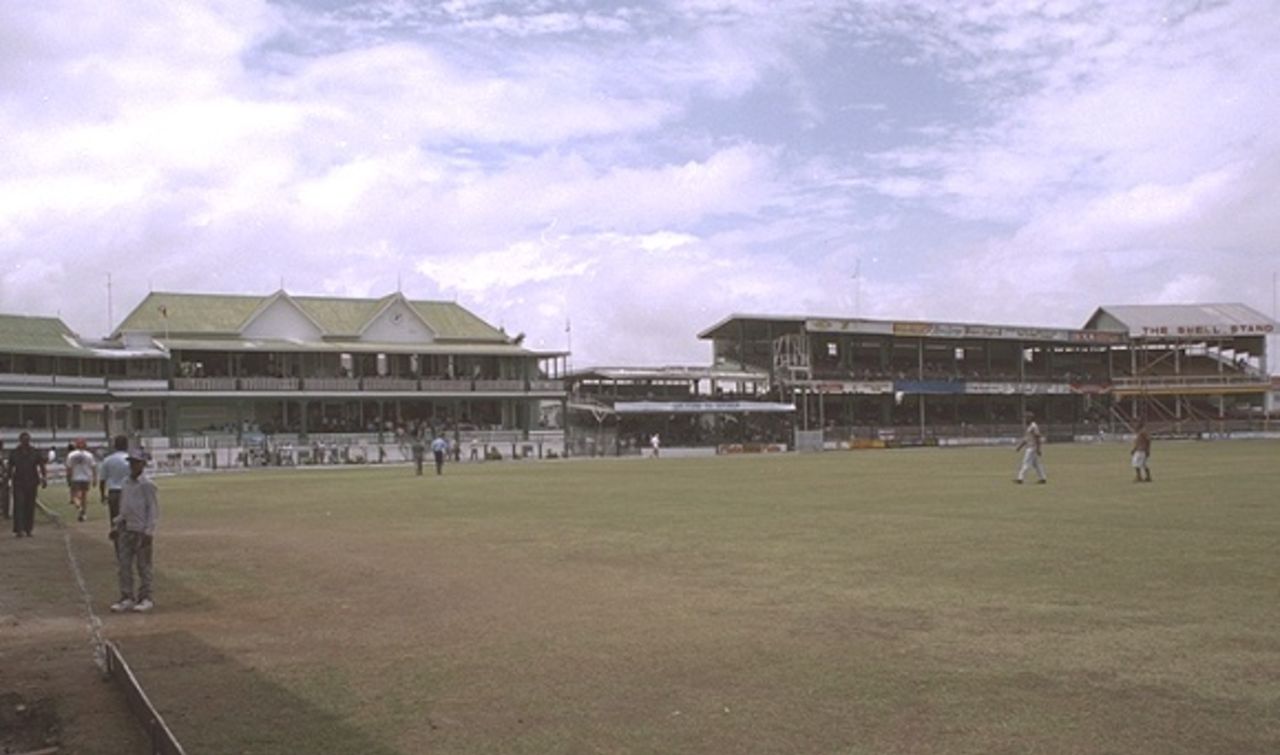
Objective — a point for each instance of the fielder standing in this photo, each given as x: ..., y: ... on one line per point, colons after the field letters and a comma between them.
x: 1031, y: 451
x: 1140, y: 454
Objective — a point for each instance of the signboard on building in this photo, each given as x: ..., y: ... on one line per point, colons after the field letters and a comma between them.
x: 1015, y: 389
x: 1207, y: 331
x: 858, y: 387
x: 701, y: 407
x: 963, y: 331
x: 929, y: 387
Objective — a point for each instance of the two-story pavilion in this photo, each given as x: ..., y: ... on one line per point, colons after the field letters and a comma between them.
x: 617, y: 409
x: 198, y: 363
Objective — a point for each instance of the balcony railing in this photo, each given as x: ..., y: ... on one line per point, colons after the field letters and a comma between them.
x: 15, y: 379
x: 487, y: 386
x: 204, y: 384
x: 269, y: 384
x: 137, y: 384
x: 225, y: 384
x: 389, y: 384
x: 1189, y: 381
x: 435, y: 385
x: 331, y: 384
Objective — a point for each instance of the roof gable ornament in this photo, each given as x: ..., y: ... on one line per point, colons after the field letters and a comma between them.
x: 280, y: 317
x: 397, y: 321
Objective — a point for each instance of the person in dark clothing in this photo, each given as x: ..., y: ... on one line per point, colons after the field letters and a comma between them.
x: 26, y: 473
x: 4, y: 483
x: 419, y: 451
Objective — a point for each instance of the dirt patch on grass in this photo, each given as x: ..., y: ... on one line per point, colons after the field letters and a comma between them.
x: 27, y: 725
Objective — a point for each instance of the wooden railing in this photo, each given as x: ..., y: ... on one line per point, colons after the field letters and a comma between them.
x: 269, y: 384
x: 204, y: 384
x: 225, y: 384
x: 1187, y: 381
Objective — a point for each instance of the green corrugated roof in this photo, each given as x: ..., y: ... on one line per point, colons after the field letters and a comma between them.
x: 210, y: 314
x: 338, y: 347
x: 339, y: 317
x: 451, y: 321
x: 37, y: 335
x: 191, y: 313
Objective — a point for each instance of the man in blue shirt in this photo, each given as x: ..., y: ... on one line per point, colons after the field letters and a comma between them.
x: 439, y: 447
x: 115, y: 470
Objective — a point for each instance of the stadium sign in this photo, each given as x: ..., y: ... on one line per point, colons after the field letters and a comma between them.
x: 1015, y: 389
x: 931, y: 387
x: 1219, y: 329
x: 701, y: 407
x: 858, y: 387
x: 963, y: 331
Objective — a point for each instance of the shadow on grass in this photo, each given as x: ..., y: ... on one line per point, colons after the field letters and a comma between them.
x: 215, y: 704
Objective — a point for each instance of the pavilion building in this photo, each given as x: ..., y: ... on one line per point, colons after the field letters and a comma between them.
x: 183, y: 364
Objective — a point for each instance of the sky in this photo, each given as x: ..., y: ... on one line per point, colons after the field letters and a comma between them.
x: 618, y: 176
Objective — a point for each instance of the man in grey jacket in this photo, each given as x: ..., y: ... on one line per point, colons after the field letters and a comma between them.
x: 136, y: 528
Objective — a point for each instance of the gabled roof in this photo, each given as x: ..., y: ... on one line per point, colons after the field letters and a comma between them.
x: 226, y: 315
x: 386, y: 303
x: 1182, y: 320
x: 38, y: 335
x: 719, y: 329
x: 280, y: 295
x: 338, y: 316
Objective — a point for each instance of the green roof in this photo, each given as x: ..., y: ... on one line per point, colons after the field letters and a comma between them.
x: 451, y: 321
x: 38, y: 335
x: 191, y: 313
x: 342, y: 346
x: 175, y: 315
x: 343, y: 317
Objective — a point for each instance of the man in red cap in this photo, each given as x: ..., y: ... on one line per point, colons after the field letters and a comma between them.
x: 82, y: 473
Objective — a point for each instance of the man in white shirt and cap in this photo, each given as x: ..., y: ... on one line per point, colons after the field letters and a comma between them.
x: 136, y: 529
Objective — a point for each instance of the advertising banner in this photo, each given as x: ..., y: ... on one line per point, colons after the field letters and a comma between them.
x: 701, y: 407
x: 931, y: 387
x: 1015, y: 389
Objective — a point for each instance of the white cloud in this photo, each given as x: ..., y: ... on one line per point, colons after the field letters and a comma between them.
x: 644, y: 170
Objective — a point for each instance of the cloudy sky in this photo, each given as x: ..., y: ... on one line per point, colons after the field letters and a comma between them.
x: 643, y: 169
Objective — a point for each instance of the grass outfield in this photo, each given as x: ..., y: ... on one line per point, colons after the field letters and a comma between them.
x: 875, y: 602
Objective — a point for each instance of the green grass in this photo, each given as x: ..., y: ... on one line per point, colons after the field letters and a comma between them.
x: 871, y: 602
